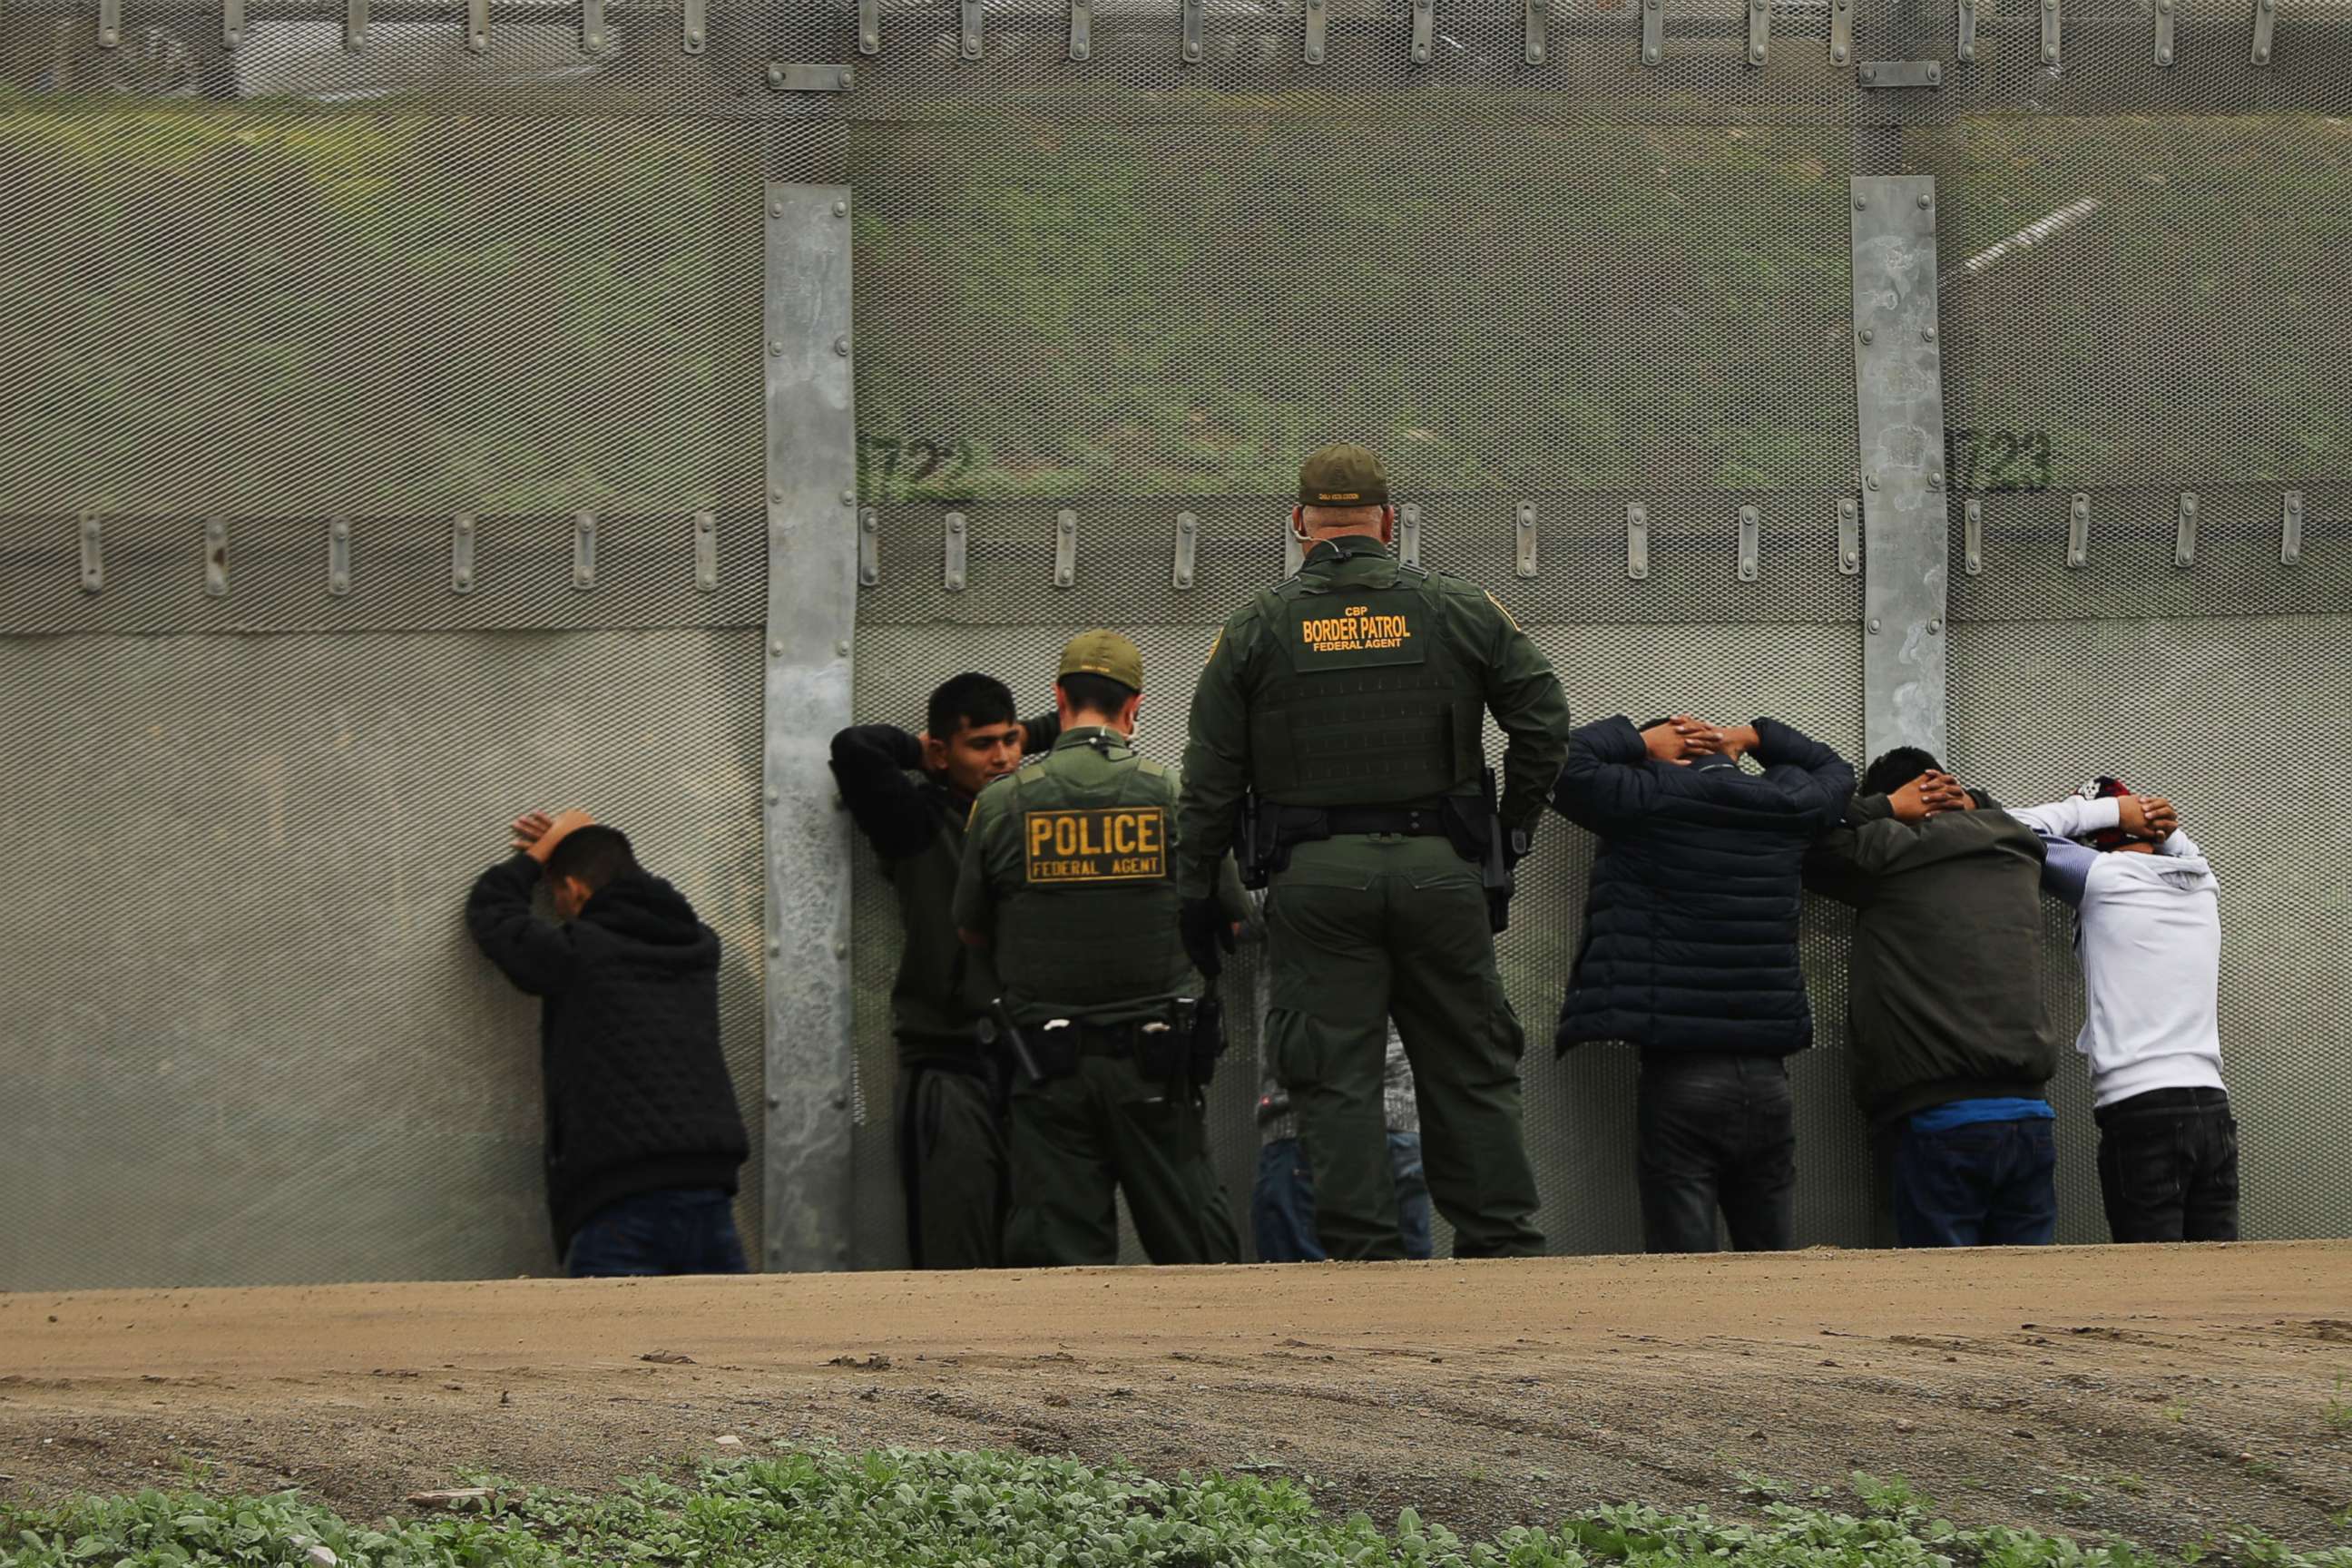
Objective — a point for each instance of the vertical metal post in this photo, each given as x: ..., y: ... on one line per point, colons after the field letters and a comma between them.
x: 812, y: 529
x: 1899, y: 396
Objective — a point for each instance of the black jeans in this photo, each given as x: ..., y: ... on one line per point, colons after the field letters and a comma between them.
x: 1715, y: 1130
x: 2169, y: 1166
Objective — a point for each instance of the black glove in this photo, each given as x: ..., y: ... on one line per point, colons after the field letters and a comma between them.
x: 1208, y: 935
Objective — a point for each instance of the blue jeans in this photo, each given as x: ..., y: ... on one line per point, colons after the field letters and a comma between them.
x: 1990, y: 1184
x: 672, y: 1231
x: 1282, y: 1205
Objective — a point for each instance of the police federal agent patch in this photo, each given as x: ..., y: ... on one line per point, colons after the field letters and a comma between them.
x: 1330, y: 632
x: 1102, y: 843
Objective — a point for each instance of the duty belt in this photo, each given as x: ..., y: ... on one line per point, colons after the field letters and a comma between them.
x: 1414, y: 821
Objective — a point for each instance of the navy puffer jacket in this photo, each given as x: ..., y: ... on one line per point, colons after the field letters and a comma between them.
x: 1690, y: 926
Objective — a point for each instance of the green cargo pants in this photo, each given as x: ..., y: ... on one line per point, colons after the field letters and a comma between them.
x: 951, y: 1161
x: 1074, y: 1138
x: 1366, y: 926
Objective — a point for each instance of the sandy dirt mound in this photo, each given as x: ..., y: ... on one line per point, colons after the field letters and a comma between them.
x: 2167, y: 1394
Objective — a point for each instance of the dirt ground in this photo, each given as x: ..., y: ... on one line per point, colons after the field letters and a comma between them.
x: 2167, y: 1394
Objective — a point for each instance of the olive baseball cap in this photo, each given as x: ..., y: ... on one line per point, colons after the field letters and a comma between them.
x: 1105, y: 654
x: 1343, y: 476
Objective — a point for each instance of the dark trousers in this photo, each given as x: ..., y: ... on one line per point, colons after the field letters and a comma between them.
x: 952, y: 1165
x: 1714, y: 1131
x: 677, y: 1230
x: 1281, y: 1203
x: 2169, y: 1166
x: 1990, y: 1184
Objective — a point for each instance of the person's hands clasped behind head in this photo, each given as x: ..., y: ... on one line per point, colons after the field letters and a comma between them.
x: 1932, y: 794
x: 1677, y: 741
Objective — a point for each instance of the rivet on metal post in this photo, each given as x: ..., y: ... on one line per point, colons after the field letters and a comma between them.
x: 2265, y: 20
x: 841, y: 209
x: 1868, y: 336
x: 93, y: 553
x: 461, y: 553
x: 1841, y: 31
x: 584, y: 550
x: 1874, y: 626
x: 1654, y: 32
x: 1849, y: 523
x: 1965, y: 49
x: 1409, y: 533
x: 973, y: 43
x: 693, y: 23
x: 1318, y: 34
x: 1189, y: 11
x: 1535, y: 17
x: 841, y: 347
x: 870, y: 26
x: 1425, y: 21
x: 955, y: 555
x: 2052, y: 21
x: 1082, y: 29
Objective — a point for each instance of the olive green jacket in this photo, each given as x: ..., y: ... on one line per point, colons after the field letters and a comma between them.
x: 1515, y: 682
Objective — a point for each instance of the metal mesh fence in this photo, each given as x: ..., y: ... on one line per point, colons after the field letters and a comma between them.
x: 379, y: 265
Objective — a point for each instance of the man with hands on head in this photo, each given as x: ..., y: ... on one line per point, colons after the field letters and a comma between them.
x: 1952, y: 1046
x: 643, y: 1135
x: 1690, y: 953
x: 2148, y: 933
x: 910, y: 795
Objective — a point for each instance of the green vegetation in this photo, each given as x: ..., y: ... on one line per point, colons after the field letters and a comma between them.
x: 920, y: 1508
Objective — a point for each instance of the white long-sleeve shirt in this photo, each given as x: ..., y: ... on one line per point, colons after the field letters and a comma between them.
x: 2150, y: 943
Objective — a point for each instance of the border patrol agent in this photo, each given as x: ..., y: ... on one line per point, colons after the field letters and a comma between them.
x: 1069, y: 877
x: 1338, y: 732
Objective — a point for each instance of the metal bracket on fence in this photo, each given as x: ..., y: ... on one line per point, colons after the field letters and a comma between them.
x: 2052, y: 21
x: 1066, y: 548
x: 955, y: 554
x: 339, y: 557
x: 786, y: 77
x: 869, y: 548
x: 461, y: 553
x: 1537, y: 16
x: 1637, y: 541
x: 1189, y: 10
x: 1760, y: 30
x: 1425, y: 29
x: 1082, y: 28
x: 109, y: 23
x: 706, y: 553
x: 971, y: 46
x: 1749, y: 521
x: 1848, y: 536
x: 2184, y: 532
x: 2290, y: 530
x: 1318, y: 33
x: 215, y: 558
x: 1972, y: 538
x: 1654, y: 31
x: 1841, y: 31
x: 584, y: 550
x: 2078, y: 532
x: 355, y: 24
x: 93, y: 553
x: 232, y: 23
x: 1409, y: 533
x: 694, y: 26
x: 478, y: 25
x: 593, y: 36
x: 1901, y: 73
x: 1187, y: 545
x: 2265, y: 15
x: 1526, y: 538
x: 1965, y: 50
x: 2164, y: 10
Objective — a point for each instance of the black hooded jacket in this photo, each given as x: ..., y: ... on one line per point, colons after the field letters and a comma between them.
x: 1690, y: 924
x: 638, y: 1098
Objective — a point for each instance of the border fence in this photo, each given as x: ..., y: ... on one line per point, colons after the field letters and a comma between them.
x: 417, y: 411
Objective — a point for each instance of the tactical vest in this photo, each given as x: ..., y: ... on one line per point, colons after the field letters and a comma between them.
x: 1089, y: 923
x: 1368, y: 705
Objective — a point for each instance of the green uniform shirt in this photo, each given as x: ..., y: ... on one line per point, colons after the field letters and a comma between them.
x: 1091, y: 835
x: 1516, y: 683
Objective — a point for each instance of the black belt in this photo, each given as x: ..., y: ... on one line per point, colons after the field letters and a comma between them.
x: 2155, y: 1101
x: 1409, y: 821
x: 1107, y: 1039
